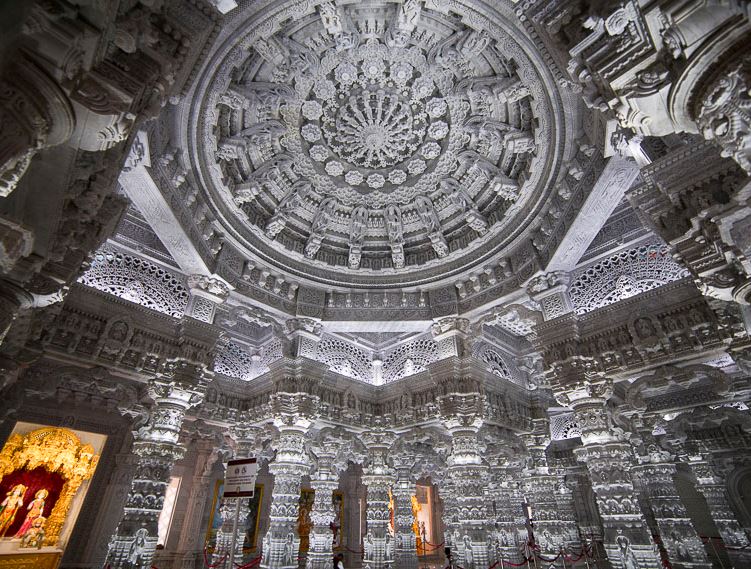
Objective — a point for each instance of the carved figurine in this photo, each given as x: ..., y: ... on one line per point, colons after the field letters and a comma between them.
x: 137, y: 548
x: 35, y: 510
x: 34, y: 536
x: 10, y: 506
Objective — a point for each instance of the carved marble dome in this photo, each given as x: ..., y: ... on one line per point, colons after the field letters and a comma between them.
x: 377, y: 144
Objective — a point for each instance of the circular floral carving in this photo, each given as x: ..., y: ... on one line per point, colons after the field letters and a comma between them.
x: 376, y: 181
x: 397, y: 177
x: 334, y: 168
x: 374, y: 129
x: 319, y: 153
x: 410, y: 133
x: 311, y: 133
x: 353, y: 178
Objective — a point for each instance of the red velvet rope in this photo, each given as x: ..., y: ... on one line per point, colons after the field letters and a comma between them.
x: 434, y: 547
x: 516, y: 564
x: 721, y: 543
x: 214, y: 565
x: 250, y: 563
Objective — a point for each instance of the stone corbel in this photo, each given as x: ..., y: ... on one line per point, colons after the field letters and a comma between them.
x: 35, y: 114
x: 205, y: 294
x: 550, y: 290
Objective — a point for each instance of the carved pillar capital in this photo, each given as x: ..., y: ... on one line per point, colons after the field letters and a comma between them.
x: 550, y: 290
x: 722, y: 113
x: 205, y: 294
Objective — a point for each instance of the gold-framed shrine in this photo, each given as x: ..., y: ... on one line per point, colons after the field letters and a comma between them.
x: 44, y: 472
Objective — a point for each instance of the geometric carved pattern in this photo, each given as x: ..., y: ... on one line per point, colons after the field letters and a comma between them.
x: 345, y: 359
x: 234, y: 360
x: 409, y: 359
x: 624, y: 275
x: 203, y: 309
x: 564, y: 426
x: 498, y: 363
x: 137, y: 280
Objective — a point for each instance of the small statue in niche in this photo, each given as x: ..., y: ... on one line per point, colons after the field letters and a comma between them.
x: 10, y: 506
x: 137, y: 548
x: 35, y: 510
x: 34, y: 536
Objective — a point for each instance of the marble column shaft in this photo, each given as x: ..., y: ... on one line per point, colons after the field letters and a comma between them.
x: 378, y: 543
x: 677, y: 533
x: 554, y: 527
x: 627, y: 538
x: 244, y: 438
x: 509, y: 523
x: 324, y: 481
x: 156, y: 448
x: 282, y: 543
x: 713, y: 488
x: 406, y: 542
x: 190, y: 546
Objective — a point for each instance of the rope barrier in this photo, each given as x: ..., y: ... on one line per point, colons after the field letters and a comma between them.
x: 249, y: 564
x: 212, y: 565
x: 434, y: 547
x: 721, y: 543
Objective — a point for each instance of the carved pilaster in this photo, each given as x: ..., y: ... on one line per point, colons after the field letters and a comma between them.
x: 404, y: 539
x: 180, y: 386
x: 244, y: 439
x: 608, y: 458
x: 544, y: 491
x: 655, y: 475
x: 293, y: 416
x: 379, y: 477
x: 505, y: 495
x: 712, y: 486
x: 190, y: 546
x: 462, y: 415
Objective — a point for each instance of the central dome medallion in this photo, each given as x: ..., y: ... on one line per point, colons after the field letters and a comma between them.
x: 369, y: 121
x: 378, y: 138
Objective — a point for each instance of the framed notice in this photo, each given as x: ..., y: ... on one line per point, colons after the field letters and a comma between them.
x: 240, y: 478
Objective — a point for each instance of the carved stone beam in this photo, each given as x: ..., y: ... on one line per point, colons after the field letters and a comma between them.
x: 140, y: 187
x: 606, y: 194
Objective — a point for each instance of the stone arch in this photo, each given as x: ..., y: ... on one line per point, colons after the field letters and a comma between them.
x: 698, y: 511
x: 739, y: 492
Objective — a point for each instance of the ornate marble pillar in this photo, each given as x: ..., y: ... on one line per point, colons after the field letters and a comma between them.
x: 324, y: 480
x: 553, y: 526
x: 461, y: 414
x: 654, y: 474
x: 450, y: 512
x: 379, y: 477
x: 294, y: 414
x: 178, y: 388
x: 190, y: 546
x: 244, y: 439
x: 404, y: 538
x: 35, y: 113
x: 627, y: 538
x: 712, y: 486
x: 504, y: 494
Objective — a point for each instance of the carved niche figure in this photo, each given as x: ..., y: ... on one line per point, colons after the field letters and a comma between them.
x: 10, y: 506
x: 725, y: 116
x: 137, y: 548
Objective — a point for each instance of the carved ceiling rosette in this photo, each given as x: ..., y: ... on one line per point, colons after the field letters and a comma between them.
x: 357, y: 139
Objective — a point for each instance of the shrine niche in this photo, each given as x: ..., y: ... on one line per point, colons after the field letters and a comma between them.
x: 44, y: 474
x: 304, y: 523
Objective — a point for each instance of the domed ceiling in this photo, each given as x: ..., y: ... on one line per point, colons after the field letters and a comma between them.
x: 377, y: 143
